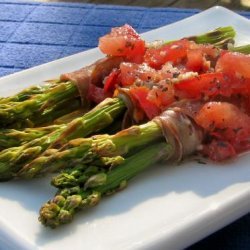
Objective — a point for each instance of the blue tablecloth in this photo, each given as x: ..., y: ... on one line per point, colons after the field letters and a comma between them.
x: 32, y: 33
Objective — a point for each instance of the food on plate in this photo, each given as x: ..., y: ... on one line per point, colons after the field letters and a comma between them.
x: 85, y: 83
x: 13, y: 159
x: 40, y: 105
x: 169, y: 99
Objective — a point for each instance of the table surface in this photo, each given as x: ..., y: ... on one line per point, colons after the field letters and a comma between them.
x: 32, y: 33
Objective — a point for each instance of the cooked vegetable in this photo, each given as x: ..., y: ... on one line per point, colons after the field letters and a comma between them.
x: 13, y: 137
x: 29, y: 92
x: 42, y: 107
x: 183, y: 137
x: 35, y: 106
x: 88, y: 149
x: 84, y: 185
x: 39, y: 104
x: 181, y: 92
x: 12, y: 159
x: 69, y: 200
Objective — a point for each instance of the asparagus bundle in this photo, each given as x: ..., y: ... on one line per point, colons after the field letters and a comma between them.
x: 89, y: 149
x: 13, y: 159
x: 38, y: 106
x: 74, y: 195
x: 13, y: 137
x: 25, y: 108
x: 22, y: 155
x: 28, y: 93
x: 92, y: 160
x: 80, y: 188
x: 77, y: 189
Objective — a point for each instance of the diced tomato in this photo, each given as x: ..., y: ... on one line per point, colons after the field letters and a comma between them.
x: 208, y: 84
x: 172, y: 52
x: 209, y: 50
x: 96, y: 94
x: 162, y: 95
x: 226, y: 122
x: 131, y: 72
x: 219, y: 150
x: 237, y: 66
x: 242, y: 101
x: 234, y: 63
x: 112, y: 80
x: 140, y: 94
x: 123, y: 41
x: 194, y: 60
x: 200, y: 57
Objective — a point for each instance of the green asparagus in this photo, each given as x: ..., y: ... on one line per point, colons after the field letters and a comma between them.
x: 89, y: 149
x: 78, y: 189
x: 13, y: 159
x: 244, y: 49
x: 86, y: 150
x: 49, y: 114
x: 28, y: 93
x: 88, y: 190
x: 23, y: 105
x: 16, y: 111
x: 220, y: 37
x: 13, y: 137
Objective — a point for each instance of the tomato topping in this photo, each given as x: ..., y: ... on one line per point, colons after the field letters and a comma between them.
x: 123, y: 41
x: 194, y: 60
x: 237, y: 66
x: 112, y: 80
x: 219, y: 119
x: 162, y: 94
x: 140, y: 94
x: 209, y: 50
x: 234, y: 63
x: 219, y: 150
x: 173, y: 52
x: 207, y: 84
x: 131, y: 72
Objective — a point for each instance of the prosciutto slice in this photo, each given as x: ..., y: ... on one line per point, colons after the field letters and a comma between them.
x: 180, y: 131
x: 92, y: 74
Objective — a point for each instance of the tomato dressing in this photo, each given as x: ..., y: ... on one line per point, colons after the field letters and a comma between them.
x: 159, y: 76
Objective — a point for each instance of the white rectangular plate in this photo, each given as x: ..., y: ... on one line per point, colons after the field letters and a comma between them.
x: 164, y: 208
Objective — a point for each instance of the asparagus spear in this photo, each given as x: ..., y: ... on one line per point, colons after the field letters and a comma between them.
x: 49, y: 114
x: 220, y: 37
x: 244, y: 49
x: 183, y: 137
x: 13, y: 159
x: 125, y: 141
x: 89, y: 149
x: 13, y: 137
x: 87, y: 193
x: 22, y: 110
x: 28, y: 93
x: 79, y: 174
